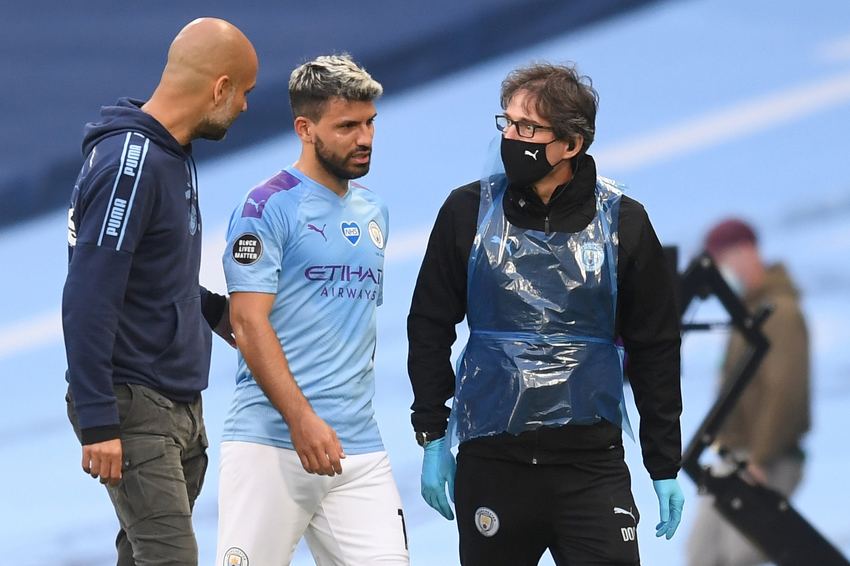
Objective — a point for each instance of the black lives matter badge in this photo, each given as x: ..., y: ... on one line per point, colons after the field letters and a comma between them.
x: 247, y: 249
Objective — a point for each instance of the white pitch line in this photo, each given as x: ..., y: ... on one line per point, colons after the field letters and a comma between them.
x: 721, y: 126
x: 31, y: 333
x: 46, y: 329
x: 724, y: 125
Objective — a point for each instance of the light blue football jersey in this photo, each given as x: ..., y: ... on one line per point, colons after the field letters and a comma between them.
x: 322, y: 257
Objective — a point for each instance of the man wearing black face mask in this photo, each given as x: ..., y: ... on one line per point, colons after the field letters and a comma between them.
x: 550, y: 264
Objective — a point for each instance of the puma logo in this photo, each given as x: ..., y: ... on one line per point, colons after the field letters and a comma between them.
x: 621, y: 511
x: 255, y: 203
x: 322, y: 231
x: 533, y: 155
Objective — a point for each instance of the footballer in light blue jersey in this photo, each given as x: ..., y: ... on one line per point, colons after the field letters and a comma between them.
x: 322, y: 256
x: 301, y: 455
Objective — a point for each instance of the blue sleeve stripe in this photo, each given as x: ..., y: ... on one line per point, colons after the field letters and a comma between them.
x: 123, y: 191
x: 133, y: 194
x: 114, y: 187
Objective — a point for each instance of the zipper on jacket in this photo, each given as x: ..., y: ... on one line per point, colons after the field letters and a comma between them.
x: 546, y: 224
x: 536, y: 442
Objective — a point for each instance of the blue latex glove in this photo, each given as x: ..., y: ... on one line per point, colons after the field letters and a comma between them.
x: 670, y: 502
x: 435, y: 475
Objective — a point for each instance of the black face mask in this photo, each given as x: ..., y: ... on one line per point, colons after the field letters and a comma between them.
x: 525, y: 162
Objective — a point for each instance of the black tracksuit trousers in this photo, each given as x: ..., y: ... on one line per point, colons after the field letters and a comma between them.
x: 510, y: 512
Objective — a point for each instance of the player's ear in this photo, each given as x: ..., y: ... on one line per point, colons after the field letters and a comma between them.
x: 304, y: 129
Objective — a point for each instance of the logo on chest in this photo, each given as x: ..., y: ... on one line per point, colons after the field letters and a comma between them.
x: 193, y: 219
x: 317, y: 230
x: 376, y: 234
x: 351, y: 231
x: 592, y: 257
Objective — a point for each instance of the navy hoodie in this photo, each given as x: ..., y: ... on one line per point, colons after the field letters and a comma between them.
x: 132, y: 303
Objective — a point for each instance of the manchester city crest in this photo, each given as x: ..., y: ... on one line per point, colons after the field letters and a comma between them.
x: 592, y: 256
x: 486, y: 521
x: 235, y: 557
x: 376, y: 235
x: 193, y: 218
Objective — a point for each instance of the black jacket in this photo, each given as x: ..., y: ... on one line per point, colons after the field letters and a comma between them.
x: 647, y: 321
x: 133, y: 310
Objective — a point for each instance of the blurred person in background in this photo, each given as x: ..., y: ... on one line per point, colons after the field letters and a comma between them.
x: 549, y: 264
x: 301, y: 453
x: 136, y: 320
x: 767, y: 424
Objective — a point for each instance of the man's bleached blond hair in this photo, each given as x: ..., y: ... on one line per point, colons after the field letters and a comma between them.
x: 314, y: 83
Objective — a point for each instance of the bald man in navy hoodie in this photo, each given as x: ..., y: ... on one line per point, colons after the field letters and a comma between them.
x: 137, y: 322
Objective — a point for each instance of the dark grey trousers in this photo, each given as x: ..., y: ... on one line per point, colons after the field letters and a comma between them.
x: 164, y: 445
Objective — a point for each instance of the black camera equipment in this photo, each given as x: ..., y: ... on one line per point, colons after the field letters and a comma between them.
x: 760, y: 513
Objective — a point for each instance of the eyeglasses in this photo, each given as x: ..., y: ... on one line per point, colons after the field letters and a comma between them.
x: 523, y: 129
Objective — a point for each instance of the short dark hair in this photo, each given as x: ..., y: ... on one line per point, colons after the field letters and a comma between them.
x: 560, y: 95
x: 314, y: 83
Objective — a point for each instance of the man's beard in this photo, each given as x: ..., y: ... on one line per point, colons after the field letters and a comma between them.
x: 339, y: 166
x: 215, y: 127
x: 209, y: 130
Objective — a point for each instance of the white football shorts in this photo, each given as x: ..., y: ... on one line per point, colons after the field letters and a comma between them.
x: 267, y: 502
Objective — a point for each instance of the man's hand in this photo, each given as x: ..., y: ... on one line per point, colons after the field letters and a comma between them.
x: 670, y: 503
x: 757, y: 474
x: 314, y: 441
x: 316, y: 444
x: 103, y: 460
x: 224, y: 328
x: 438, y: 474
